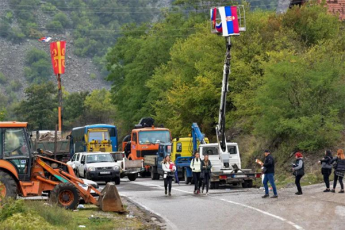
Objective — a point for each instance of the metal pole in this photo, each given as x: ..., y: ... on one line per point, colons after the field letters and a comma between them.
x: 60, y: 102
x: 55, y: 142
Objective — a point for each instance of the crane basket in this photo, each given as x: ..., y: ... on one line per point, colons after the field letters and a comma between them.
x: 228, y: 20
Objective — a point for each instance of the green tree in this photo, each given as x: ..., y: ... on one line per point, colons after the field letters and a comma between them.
x: 99, y: 108
x: 74, y: 109
x: 38, y: 67
x: 39, y: 107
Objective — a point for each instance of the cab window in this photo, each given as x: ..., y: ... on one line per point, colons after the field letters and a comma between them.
x: 179, y: 147
x: 15, y: 143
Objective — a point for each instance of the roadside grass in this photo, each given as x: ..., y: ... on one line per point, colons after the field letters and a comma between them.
x: 21, y: 214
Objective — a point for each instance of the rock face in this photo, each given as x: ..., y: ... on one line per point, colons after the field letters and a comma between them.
x: 283, y: 6
x: 78, y: 70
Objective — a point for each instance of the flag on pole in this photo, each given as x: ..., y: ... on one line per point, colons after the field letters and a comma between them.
x: 45, y: 39
x: 57, y: 51
x: 215, y: 25
x: 229, y: 18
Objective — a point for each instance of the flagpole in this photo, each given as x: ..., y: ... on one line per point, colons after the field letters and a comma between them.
x: 60, y: 102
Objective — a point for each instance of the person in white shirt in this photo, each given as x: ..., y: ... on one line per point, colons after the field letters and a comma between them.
x: 168, y: 169
x: 195, y: 165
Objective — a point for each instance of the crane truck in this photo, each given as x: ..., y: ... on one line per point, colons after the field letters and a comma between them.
x: 224, y: 156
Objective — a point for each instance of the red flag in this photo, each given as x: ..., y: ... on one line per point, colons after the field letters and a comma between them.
x: 57, y: 51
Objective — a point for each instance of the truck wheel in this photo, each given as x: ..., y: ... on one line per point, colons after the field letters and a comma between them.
x: 154, y: 176
x: 247, y: 184
x: 117, y: 180
x: 65, y: 195
x: 8, y: 186
x: 186, y: 178
x: 212, y: 185
x: 132, y: 177
x: 142, y: 174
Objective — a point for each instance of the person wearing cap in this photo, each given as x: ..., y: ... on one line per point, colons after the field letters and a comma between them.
x: 268, y: 170
x: 195, y: 165
x: 298, y: 171
x: 206, y: 173
x: 168, y: 169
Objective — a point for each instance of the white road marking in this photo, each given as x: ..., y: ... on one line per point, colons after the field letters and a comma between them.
x: 239, y: 204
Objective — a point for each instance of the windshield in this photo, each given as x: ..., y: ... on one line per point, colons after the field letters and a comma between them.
x: 214, y: 150
x: 153, y: 137
x: 15, y: 143
x: 99, y: 158
x: 99, y: 136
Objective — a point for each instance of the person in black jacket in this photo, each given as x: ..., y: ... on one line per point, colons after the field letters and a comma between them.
x: 206, y: 173
x: 339, y: 170
x: 268, y: 170
x: 298, y: 171
x: 326, y: 168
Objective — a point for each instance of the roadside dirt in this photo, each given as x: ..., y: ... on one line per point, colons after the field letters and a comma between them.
x: 149, y: 220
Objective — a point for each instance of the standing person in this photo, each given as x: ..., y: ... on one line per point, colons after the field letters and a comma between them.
x: 326, y: 168
x: 268, y: 171
x: 168, y: 169
x: 298, y: 172
x: 206, y: 171
x: 195, y: 165
x: 339, y: 170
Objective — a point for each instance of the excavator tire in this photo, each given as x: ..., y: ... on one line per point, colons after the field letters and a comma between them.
x: 65, y: 195
x: 8, y: 186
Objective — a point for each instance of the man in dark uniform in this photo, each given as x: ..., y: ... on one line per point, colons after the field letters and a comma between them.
x: 268, y: 170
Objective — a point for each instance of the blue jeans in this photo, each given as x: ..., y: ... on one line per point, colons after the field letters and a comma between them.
x: 269, y: 177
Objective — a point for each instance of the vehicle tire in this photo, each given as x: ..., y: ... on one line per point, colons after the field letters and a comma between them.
x: 216, y: 185
x: 212, y: 185
x: 247, y: 184
x: 65, y: 195
x: 186, y: 178
x: 154, y: 176
x: 132, y: 177
x: 8, y: 186
x: 117, y: 180
x: 142, y: 174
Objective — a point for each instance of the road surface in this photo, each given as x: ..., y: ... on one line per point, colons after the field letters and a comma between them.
x: 237, y: 208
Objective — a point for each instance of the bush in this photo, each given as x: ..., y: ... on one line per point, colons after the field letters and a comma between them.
x: 16, y: 35
x: 15, y: 85
x: 3, y: 78
x: 55, y: 26
x: 4, y: 28
x: 48, y: 8
x: 10, y: 207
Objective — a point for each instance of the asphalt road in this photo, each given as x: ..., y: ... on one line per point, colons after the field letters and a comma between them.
x: 237, y: 208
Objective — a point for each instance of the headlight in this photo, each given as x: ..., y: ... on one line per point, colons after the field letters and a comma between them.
x: 116, y: 167
x: 90, y: 169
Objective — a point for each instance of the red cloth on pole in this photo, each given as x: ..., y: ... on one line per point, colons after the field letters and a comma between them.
x: 57, y: 51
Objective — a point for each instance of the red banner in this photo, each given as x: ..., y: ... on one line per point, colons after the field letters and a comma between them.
x: 57, y: 51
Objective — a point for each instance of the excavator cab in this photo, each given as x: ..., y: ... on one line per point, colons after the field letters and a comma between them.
x: 23, y: 174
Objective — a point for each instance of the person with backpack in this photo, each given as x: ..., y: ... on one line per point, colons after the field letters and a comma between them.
x: 195, y: 165
x: 298, y: 171
x: 206, y: 173
x: 168, y: 169
x: 326, y: 168
x: 339, y: 170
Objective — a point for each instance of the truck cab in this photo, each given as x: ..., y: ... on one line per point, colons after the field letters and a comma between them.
x: 144, y: 141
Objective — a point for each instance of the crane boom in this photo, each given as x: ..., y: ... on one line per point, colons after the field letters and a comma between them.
x: 220, y: 128
x: 197, y: 135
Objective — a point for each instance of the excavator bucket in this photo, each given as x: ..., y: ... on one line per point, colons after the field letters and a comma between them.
x: 109, y: 200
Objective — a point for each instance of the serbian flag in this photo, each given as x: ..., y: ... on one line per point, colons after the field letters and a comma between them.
x: 57, y: 51
x: 229, y: 18
x: 45, y: 39
x: 215, y: 25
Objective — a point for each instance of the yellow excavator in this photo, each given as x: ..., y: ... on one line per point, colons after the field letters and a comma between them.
x: 25, y: 174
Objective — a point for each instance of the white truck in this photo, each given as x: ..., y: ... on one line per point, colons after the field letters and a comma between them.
x: 230, y: 172
x: 97, y: 166
x: 129, y: 168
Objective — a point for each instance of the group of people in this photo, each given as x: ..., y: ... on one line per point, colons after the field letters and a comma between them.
x: 201, y: 173
x: 328, y: 163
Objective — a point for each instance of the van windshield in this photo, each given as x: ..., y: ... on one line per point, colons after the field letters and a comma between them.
x: 214, y: 150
